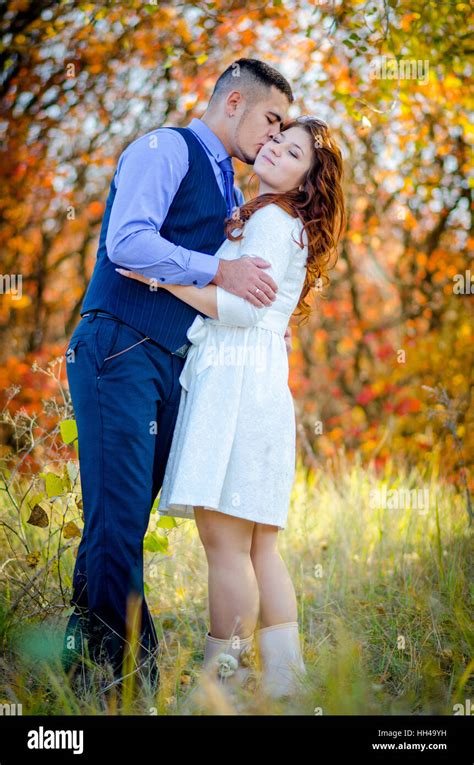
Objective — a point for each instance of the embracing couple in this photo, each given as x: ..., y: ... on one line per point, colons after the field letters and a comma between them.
x: 178, y: 373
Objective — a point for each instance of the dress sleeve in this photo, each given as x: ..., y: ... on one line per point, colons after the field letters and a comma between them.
x: 270, y: 234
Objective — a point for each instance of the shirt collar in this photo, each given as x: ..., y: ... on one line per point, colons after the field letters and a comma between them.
x: 212, y: 143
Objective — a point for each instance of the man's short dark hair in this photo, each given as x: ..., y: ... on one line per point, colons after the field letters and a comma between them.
x: 251, y: 77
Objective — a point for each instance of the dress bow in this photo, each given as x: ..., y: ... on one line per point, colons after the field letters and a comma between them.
x: 196, y: 361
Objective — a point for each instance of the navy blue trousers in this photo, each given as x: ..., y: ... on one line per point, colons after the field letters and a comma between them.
x: 125, y: 392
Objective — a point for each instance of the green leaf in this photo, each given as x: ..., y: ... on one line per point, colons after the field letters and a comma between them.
x: 166, y: 522
x: 54, y: 485
x: 68, y: 431
x: 344, y: 97
x: 154, y: 542
x: 35, y: 499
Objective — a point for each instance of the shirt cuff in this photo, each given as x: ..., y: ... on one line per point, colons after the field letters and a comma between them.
x: 202, y: 267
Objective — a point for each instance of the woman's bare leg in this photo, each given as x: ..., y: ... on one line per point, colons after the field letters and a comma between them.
x: 233, y: 588
x: 277, y: 594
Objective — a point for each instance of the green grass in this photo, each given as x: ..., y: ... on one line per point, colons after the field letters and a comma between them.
x: 384, y: 595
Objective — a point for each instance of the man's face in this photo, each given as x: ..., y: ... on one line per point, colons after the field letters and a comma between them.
x: 256, y: 125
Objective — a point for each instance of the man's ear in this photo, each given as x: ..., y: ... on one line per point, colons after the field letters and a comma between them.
x: 232, y: 102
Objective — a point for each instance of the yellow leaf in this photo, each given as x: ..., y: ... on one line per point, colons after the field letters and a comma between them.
x: 23, y: 302
x: 32, y: 559
x: 71, y: 530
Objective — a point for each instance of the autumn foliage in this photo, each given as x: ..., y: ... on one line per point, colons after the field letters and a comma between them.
x: 384, y: 367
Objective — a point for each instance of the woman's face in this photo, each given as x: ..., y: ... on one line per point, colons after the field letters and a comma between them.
x: 282, y: 162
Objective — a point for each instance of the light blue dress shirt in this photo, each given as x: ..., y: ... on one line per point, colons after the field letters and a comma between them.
x: 148, y: 175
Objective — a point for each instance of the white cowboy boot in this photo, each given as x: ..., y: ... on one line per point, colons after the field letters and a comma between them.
x: 229, y: 661
x: 228, y: 665
x: 281, y: 658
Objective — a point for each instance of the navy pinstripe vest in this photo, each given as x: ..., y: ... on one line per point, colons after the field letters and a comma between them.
x: 195, y: 220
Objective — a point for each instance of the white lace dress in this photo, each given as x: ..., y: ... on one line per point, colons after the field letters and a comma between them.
x: 233, y: 447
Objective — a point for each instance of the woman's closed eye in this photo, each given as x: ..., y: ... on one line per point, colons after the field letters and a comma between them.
x: 291, y: 152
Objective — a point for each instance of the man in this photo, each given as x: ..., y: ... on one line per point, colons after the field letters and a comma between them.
x: 164, y: 218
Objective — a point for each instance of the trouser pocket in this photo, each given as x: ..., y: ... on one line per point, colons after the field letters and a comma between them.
x: 105, y: 341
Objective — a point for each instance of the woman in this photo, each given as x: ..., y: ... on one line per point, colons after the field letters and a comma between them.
x: 232, y: 459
